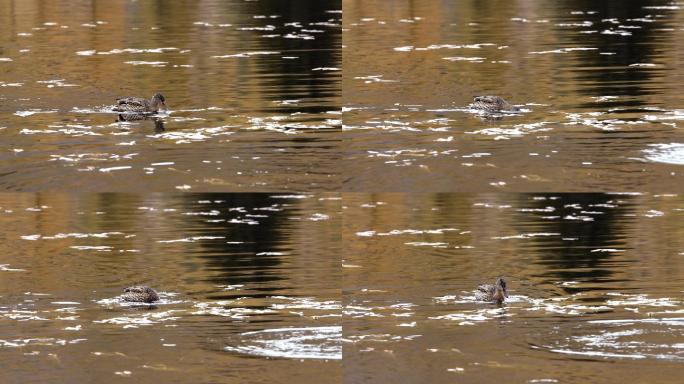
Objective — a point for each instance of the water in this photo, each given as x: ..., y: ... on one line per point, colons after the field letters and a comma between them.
x: 598, y: 82
x: 328, y: 257
x: 249, y: 287
x: 593, y: 280
x: 253, y: 90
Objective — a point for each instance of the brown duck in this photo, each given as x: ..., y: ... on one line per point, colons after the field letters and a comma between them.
x: 140, y: 105
x: 140, y: 294
x: 494, y: 293
x: 492, y: 104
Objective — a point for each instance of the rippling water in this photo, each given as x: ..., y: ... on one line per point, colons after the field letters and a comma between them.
x: 249, y: 288
x: 594, y: 283
x: 599, y: 83
x: 253, y: 90
x: 279, y: 286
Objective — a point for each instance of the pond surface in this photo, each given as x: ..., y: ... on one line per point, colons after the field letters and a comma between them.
x: 249, y: 287
x: 253, y: 91
x: 598, y: 84
x: 594, y: 285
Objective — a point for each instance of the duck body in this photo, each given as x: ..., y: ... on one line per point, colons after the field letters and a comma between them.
x: 140, y: 294
x: 140, y: 105
x: 493, y: 293
x: 492, y: 104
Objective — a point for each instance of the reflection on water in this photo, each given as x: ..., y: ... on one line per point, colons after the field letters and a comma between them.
x: 591, y: 277
x: 252, y: 88
x: 240, y: 277
x: 599, y: 82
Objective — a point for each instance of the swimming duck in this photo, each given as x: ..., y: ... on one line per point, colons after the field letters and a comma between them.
x: 496, y: 292
x: 140, y: 294
x: 492, y: 104
x: 140, y: 105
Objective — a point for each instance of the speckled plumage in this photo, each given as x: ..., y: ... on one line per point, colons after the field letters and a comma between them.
x: 140, y: 105
x: 140, y: 294
x: 492, y: 104
x: 496, y: 292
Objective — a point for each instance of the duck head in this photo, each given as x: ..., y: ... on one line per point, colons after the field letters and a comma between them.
x: 158, y: 100
x: 500, y: 294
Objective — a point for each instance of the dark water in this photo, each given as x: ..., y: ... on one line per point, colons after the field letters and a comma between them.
x: 253, y: 90
x: 594, y: 283
x: 598, y: 82
x: 249, y: 287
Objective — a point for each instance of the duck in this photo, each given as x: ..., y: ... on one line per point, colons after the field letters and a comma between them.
x: 140, y: 105
x: 493, y: 293
x: 492, y: 104
x: 140, y: 294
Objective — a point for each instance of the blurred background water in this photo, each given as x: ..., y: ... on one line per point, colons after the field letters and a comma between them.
x: 598, y: 83
x: 594, y: 284
x: 249, y: 286
x: 253, y: 89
